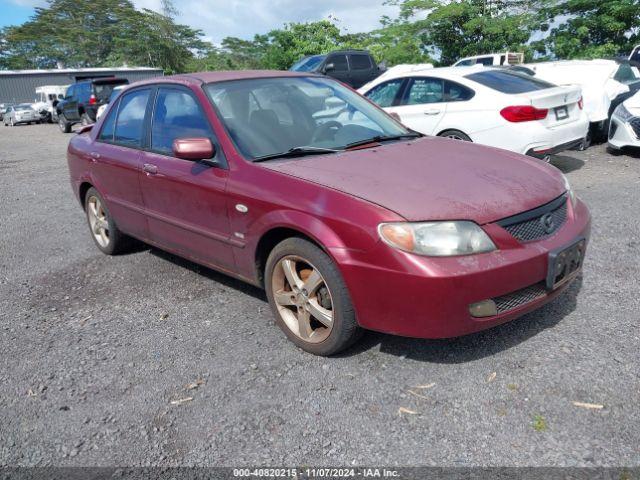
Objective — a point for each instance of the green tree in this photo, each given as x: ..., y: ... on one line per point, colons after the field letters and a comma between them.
x: 591, y: 28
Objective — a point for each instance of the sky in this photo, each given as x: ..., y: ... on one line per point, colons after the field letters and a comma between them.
x: 242, y: 18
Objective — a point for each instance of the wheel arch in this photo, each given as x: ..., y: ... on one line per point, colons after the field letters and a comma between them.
x: 82, y: 191
x: 442, y: 130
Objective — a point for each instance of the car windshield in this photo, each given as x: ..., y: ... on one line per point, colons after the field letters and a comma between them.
x: 307, y: 64
x: 509, y: 81
x: 268, y: 116
x: 22, y: 107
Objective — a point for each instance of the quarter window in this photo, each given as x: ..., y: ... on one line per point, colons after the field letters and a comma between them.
x: 130, y: 122
x: 177, y: 114
x: 385, y: 93
x: 454, y: 92
x: 425, y: 90
x: 106, y: 134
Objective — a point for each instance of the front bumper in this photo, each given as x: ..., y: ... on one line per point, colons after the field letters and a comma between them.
x: 409, y: 295
x: 621, y: 133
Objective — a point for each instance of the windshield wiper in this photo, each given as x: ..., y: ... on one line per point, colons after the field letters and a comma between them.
x: 296, y: 152
x: 381, y: 138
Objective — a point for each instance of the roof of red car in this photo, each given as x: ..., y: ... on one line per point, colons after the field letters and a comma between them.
x: 221, y: 76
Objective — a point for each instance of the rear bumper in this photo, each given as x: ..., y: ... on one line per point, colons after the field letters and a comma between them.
x: 409, y: 295
x: 541, y: 153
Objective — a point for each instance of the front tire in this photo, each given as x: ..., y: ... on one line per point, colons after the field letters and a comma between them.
x: 309, y: 298
x: 65, y: 127
x: 104, y: 231
x: 455, y: 135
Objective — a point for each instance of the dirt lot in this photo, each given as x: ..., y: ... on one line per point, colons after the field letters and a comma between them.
x: 95, y: 349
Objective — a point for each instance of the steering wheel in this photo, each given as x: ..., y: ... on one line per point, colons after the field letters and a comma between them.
x: 324, y: 129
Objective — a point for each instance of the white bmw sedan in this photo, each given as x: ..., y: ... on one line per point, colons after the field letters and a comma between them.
x: 492, y: 106
x: 624, y: 129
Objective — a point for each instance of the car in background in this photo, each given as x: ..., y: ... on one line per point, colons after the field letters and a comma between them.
x: 353, y: 67
x: 492, y: 106
x: 114, y: 94
x: 347, y: 224
x: 624, y: 128
x: 605, y: 84
x: 491, y: 59
x: 22, y: 113
x: 47, y: 99
x: 82, y: 100
x: 3, y: 108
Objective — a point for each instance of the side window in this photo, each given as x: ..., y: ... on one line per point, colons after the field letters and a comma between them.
x: 385, y: 93
x: 83, y: 91
x: 424, y: 90
x: 106, y: 134
x: 130, y: 122
x: 177, y: 114
x: 339, y: 63
x: 360, y: 62
x: 70, y: 91
x: 454, y: 92
x: 486, y: 61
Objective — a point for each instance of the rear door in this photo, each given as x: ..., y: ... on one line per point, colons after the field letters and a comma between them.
x: 422, y: 105
x: 361, y: 69
x: 185, y: 200
x: 116, y: 158
x: 336, y: 66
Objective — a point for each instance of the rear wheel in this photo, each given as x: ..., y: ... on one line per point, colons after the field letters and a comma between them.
x: 455, y: 135
x: 309, y: 298
x: 104, y: 231
x: 65, y: 127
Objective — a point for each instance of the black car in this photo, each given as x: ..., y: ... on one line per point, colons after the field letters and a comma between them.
x: 83, y: 99
x: 353, y: 67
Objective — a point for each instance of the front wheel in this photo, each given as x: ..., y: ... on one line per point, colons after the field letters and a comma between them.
x: 104, y: 231
x: 309, y: 298
x: 455, y: 135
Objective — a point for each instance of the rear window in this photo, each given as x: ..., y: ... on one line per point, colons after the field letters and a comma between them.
x: 102, y: 91
x: 509, y: 82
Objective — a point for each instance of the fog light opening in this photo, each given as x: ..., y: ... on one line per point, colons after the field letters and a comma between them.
x: 485, y: 308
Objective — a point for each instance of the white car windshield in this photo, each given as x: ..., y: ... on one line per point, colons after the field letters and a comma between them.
x: 269, y: 116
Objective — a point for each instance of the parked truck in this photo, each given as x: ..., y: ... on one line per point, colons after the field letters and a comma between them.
x: 353, y: 67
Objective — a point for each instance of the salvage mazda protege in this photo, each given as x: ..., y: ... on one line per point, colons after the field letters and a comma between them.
x: 295, y: 183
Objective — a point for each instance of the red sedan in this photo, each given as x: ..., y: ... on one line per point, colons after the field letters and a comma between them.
x: 297, y: 184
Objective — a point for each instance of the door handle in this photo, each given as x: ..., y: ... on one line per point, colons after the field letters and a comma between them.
x: 432, y: 112
x: 149, y: 168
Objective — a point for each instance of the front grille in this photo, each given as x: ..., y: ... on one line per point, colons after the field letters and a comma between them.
x: 515, y: 299
x: 635, y: 124
x: 539, y: 223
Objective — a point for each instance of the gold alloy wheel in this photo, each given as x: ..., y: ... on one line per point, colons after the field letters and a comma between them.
x: 303, y: 299
x: 98, y: 221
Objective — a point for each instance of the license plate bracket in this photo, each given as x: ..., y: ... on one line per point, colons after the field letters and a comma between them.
x: 561, y: 113
x: 564, y: 263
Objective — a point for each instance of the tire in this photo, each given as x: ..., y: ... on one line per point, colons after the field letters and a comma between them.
x: 327, y: 296
x: 107, y: 238
x: 456, y: 135
x: 11, y: 124
x: 614, y: 151
x: 65, y: 127
x: 85, y: 120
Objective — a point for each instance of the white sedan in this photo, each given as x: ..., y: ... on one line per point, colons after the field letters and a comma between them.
x: 624, y: 129
x: 491, y: 106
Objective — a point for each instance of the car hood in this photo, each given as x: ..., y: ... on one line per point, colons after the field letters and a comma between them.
x: 434, y: 179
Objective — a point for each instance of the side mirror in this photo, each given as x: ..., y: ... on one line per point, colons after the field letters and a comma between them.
x: 329, y: 67
x: 193, y: 148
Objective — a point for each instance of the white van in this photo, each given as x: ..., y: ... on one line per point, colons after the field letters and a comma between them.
x: 47, y: 97
x: 492, y: 59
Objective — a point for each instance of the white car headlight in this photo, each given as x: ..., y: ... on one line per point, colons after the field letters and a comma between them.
x: 622, y: 113
x: 567, y: 187
x: 437, y: 239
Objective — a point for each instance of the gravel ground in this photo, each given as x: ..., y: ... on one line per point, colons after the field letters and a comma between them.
x: 95, y: 349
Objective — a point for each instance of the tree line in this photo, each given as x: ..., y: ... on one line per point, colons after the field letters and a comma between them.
x: 107, y: 33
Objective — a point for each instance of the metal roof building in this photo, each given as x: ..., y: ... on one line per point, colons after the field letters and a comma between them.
x: 20, y: 85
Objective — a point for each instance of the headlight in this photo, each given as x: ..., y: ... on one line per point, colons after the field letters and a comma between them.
x: 567, y: 187
x: 622, y: 113
x: 437, y: 239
